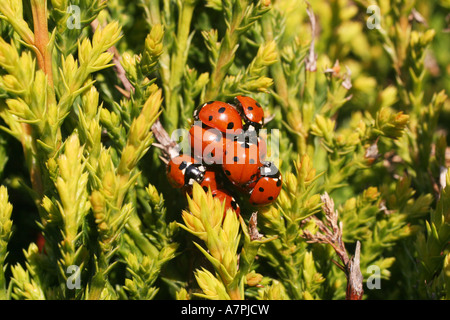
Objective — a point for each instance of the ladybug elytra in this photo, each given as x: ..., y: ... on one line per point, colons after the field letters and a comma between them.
x: 230, y: 202
x: 267, y: 187
x: 251, y: 111
x: 219, y: 115
x: 241, y: 162
x: 206, y: 143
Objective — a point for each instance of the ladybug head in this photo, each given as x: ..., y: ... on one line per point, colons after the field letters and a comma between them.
x: 194, y: 173
x: 250, y: 126
x: 269, y: 169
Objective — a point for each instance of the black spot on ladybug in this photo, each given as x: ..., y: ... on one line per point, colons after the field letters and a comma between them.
x: 183, y: 165
x: 234, y: 204
x: 210, y: 118
x: 230, y: 125
x: 214, y: 195
x: 245, y: 145
x: 221, y: 110
x: 261, y: 189
x: 236, y: 159
x: 252, y: 161
x: 205, y: 188
x: 278, y: 182
x: 258, y: 105
x: 228, y: 173
x: 250, y: 108
x: 270, y: 198
x: 209, y: 102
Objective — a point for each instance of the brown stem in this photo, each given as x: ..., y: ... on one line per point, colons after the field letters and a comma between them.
x: 44, y: 58
x: 41, y: 38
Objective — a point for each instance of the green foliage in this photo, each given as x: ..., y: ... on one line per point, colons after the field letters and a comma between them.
x: 363, y: 117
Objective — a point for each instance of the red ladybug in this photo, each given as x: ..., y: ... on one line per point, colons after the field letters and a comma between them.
x: 241, y: 162
x: 252, y: 112
x: 183, y: 170
x: 219, y: 115
x: 267, y: 187
x: 230, y: 202
x: 210, y: 180
x: 206, y: 142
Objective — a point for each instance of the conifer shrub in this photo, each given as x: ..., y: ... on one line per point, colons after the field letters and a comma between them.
x: 94, y: 94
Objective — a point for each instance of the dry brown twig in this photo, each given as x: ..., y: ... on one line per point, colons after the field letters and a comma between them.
x: 253, y: 227
x: 331, y: 233
x: 169, y: 148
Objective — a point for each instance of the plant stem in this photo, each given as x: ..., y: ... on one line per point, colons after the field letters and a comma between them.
x: 41, y: 41
x: 276, y: 70
x: 227, y: 50
x: 3, y: 287
x: 178, y: 63
x: 44, y: 58
x: 289, y: 104
x: 153, y: 12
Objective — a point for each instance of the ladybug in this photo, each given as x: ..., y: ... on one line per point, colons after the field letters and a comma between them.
x: 267, y: 187
x: 219, y: 115
x: 251, y: 111
x: 230, y: 202
x: 210, y: 180
x: 241, y: 162
x: 206, y: 142
x: 183, y: 170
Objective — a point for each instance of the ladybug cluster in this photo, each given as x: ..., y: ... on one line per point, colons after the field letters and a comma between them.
x: 228, y: 156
